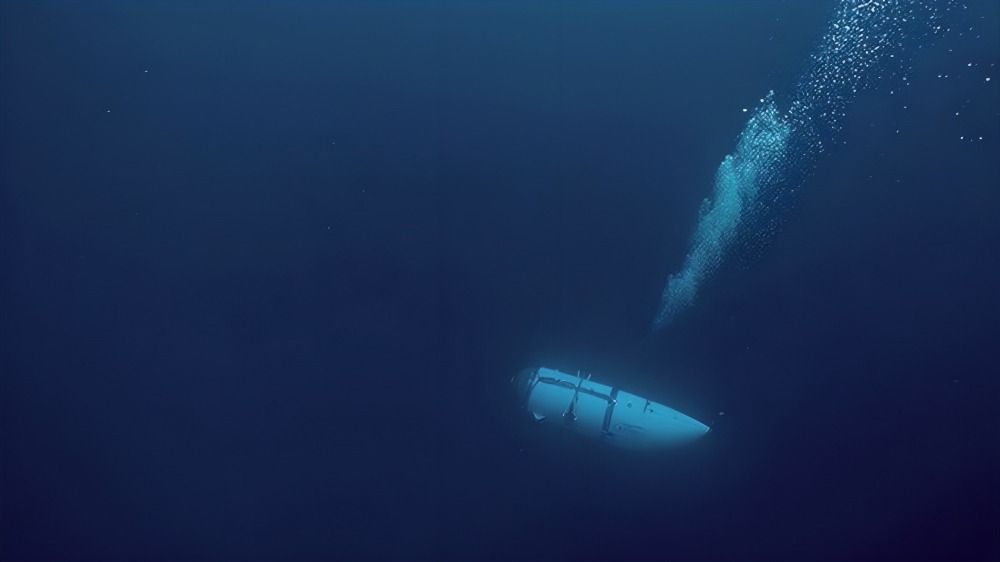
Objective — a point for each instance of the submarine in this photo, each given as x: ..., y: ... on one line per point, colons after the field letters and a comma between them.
x: 603, y: 412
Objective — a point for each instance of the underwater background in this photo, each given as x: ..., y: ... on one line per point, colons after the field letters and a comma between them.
x: 267, y: 269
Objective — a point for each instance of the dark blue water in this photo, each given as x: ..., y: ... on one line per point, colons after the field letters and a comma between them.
x: 267, y: 270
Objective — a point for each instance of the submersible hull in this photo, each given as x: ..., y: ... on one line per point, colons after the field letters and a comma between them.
x: 604, y: 412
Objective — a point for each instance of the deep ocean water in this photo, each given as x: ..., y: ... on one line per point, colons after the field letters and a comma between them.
x: 267, y: 269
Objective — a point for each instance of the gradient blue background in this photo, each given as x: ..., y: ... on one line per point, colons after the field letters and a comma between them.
x: 263, y: 300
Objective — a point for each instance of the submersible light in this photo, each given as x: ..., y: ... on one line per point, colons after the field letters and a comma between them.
x: 604, y: 412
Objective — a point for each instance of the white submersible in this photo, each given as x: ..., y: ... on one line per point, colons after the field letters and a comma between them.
x: 603, y: 412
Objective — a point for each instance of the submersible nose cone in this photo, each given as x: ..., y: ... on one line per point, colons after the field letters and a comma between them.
x: 670, y: 427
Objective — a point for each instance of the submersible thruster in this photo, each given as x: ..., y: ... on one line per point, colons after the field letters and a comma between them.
x: 603, y: 412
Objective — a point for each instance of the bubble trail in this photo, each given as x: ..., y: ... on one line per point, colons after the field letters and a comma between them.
x: 867, y: 42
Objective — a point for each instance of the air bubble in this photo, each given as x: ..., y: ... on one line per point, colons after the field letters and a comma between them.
x: 777, y: 149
